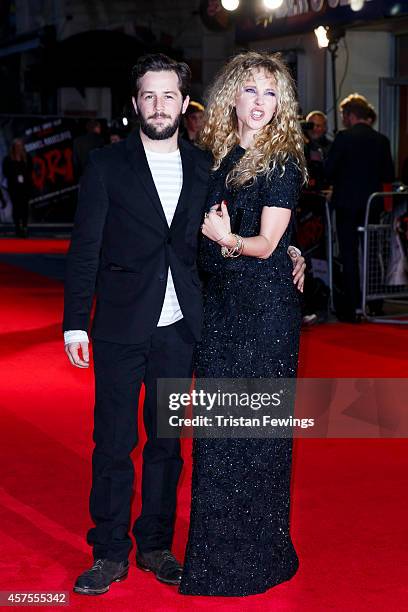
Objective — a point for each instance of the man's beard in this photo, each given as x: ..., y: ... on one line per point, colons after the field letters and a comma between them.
x: 152, y: 132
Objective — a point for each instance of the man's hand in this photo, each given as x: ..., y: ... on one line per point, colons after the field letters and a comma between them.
x: 74, y: 350
x: 299, y: 268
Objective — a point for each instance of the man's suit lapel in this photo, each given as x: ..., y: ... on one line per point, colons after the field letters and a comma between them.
x: 188, y: 180
x: 138, y: 162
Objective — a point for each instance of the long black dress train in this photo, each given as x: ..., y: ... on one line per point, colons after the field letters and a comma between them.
x: 239, y: 541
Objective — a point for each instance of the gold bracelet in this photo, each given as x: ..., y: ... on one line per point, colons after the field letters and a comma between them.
x: 227, y: 251
x: 234, y: 251
x: 239, y: 248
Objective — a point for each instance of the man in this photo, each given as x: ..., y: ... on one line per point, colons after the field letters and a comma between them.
x: 319, y: 131
x: 135, y: 237
x: 17, y: 169
x: 359, y: 163
x: 317, y: 147
x: 310, y: 209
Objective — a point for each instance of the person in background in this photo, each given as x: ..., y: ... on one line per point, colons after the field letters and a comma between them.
x: 371, y: 115
x: 84, y: 144
x: 359, y: 163
x: 317, y: 147
x: 193, y: 121
x: 17, y: 168
x: 319, y: 132
x: 114, y: 136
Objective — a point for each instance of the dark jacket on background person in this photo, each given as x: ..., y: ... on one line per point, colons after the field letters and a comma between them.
x: 316, y: 152
x: 19, y: 186
x: 18, y: 175
x: 358, y: 163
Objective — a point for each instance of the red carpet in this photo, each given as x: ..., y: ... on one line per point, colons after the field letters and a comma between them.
x: 349, y: 511
x: 41, y: 245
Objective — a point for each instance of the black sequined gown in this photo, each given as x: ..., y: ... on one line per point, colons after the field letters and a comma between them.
x: 239, y: 541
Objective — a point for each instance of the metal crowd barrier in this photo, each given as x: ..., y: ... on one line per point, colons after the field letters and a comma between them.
x: 329, y: 251
x: 385, y: 255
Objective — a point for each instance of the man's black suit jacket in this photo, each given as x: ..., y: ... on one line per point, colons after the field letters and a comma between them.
x: 122, y: 246
x: 359, y: 162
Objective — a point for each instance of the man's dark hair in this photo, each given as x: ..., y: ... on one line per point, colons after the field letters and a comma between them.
x: 158, y: 62
x: 356, y: 104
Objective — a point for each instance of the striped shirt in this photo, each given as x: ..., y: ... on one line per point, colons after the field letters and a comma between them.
x: 167, y: 173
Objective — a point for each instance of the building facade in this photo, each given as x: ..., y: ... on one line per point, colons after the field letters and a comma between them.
x: 73, y: 57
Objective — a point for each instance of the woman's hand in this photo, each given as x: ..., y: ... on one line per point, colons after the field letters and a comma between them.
x: 217, y: 225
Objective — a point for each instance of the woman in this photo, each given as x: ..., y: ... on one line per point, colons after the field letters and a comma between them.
x: 17, y: 170
x: 239, y: 542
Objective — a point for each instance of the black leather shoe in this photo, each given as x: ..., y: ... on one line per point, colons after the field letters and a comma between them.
x: 98, y: 579
x: 162, y: 563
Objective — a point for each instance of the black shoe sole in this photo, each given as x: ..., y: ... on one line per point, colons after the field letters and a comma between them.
x: 144, y: 568
x: 84, y: 591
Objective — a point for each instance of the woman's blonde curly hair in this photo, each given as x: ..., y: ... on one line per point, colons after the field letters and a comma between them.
x: 276, y: 143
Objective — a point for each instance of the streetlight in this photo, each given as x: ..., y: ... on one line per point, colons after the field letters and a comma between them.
x: 328, y: 38
x: 321, y: 35
x: 230, y: 5
x: 272, y: 4
x: 356, y: 5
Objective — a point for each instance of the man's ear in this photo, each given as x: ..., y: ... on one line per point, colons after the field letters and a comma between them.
x: 185, y: 104
x: 134, y: 105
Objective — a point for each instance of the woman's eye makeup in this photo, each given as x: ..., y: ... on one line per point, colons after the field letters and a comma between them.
x: 252, y: 90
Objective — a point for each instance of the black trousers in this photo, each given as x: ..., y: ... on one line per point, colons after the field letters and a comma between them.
x: 349, y: 241
x: 20, y: 211
x: 119, y: 372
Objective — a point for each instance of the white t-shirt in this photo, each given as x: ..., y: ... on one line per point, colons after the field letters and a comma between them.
x: 167, y: 173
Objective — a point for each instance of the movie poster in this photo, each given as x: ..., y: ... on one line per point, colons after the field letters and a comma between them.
x: 49, y: 143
